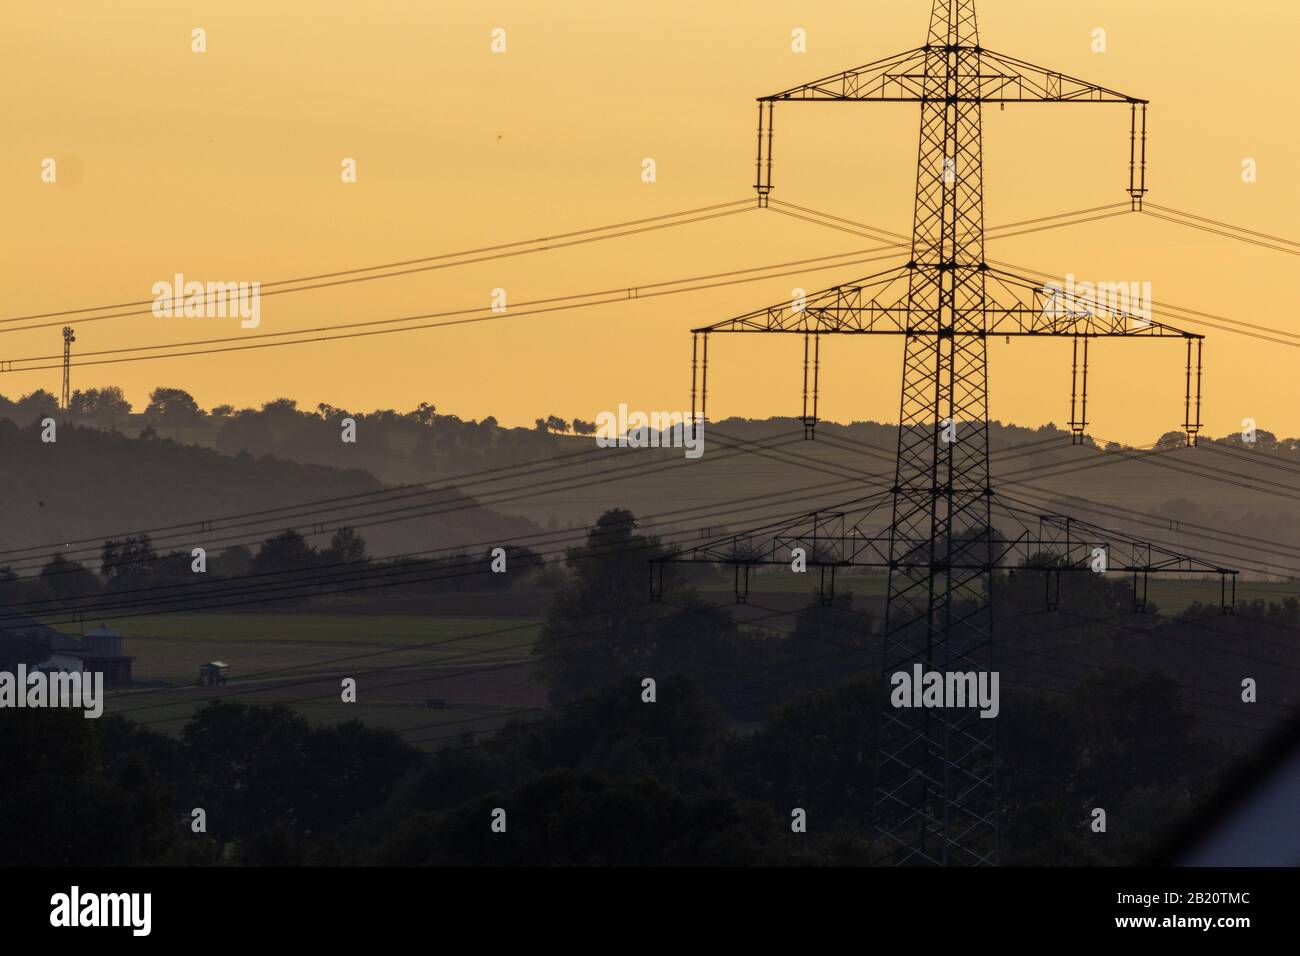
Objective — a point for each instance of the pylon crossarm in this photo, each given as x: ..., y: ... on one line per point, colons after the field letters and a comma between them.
x: 825, y: 536
x: 1073, y: 544
x: 844, y: 536
x: 1013, y: 306
x: 1007, y: 79
x: 1016, y: 305
x: 895, y: 78
x: 1022, y: 554
x: 994, y: 78
x: 856, y: 306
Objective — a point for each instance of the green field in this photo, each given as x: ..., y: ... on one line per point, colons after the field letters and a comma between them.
x: 170, y: 647
x: 479, y: 666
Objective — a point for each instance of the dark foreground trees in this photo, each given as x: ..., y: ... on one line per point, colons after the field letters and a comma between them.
x: 677, y: 736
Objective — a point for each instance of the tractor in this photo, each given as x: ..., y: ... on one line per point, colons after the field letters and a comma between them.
x: 212, y: 673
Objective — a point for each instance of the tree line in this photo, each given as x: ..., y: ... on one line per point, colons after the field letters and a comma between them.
x: 132, y: 574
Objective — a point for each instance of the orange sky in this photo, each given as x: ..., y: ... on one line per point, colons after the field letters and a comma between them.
x: 225, y: 166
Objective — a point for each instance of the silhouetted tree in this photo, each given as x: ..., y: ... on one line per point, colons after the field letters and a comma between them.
x: 235, y: 561
x: 287, y: 551
x: 173, y: 406
x: 282, y: 407
x: 346, y: 547
x: 128, y: 563
x: 36, y: 405
x: 598, y: 626
x: 106, y: 404
x: 68, y: 580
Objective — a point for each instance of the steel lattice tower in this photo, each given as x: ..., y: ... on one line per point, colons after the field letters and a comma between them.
x: 935, y: 789
x: 935, y: 793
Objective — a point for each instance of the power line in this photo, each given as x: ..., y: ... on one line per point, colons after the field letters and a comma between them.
x: 768, y: 448
x: 1235, y: 326
x: 468, y: 316
x: 462, y: 502
x: 748, y: 204
x: 1274, y: 243
x: 622, y: 294
x: 315, y: 578
x: 1071, y: 468
x: 278, y: 590
x: 315, y: 574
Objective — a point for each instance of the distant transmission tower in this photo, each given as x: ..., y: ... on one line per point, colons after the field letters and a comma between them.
x: 935, y: 793
x: 68, y: 338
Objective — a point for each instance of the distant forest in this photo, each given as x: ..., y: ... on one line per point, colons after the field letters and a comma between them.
x: 116, y: 471
x: 412, y: 445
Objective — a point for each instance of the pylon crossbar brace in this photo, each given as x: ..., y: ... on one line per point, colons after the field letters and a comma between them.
x: 1018, y: 306
x: 993, y: 78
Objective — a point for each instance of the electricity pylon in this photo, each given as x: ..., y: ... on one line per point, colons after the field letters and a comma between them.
x: 935, y: 794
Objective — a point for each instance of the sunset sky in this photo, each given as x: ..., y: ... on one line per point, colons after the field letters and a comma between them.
x: 225, y: 166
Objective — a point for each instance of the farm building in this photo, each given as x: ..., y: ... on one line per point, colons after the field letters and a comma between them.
x: 100, y: 650
x: 24, y: 639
